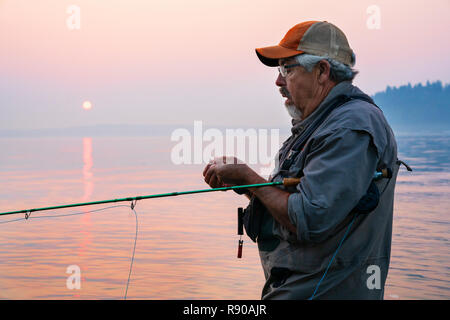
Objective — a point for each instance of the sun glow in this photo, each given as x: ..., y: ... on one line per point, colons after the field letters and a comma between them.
x: 87, y: 105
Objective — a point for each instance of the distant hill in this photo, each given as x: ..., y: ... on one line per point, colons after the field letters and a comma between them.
x: 416, y: 108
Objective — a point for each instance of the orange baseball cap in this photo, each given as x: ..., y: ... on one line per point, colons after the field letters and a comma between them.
x: 319, y: 38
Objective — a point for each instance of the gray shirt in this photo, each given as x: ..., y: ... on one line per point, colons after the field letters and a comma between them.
x: 338, y: 163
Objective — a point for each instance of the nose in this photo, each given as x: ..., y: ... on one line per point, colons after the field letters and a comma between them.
x: 281, y: 81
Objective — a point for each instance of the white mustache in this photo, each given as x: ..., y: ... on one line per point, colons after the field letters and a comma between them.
x: 285, y: 93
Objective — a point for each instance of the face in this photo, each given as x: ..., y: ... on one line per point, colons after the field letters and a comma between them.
x: 298, y: 87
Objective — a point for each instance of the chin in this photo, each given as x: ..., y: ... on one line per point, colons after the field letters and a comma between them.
x: 293, y: 111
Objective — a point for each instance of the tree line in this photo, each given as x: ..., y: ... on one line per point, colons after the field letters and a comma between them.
x: 416, y: 107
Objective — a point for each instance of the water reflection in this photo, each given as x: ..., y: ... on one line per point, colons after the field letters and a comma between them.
x: 86, y: 224
x: 186, y: 248
x: 87, y: 166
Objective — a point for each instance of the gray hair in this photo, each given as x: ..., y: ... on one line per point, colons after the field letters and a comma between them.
x: 338, y: 71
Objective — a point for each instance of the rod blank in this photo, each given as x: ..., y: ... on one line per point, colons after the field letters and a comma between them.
x: 286, y: 182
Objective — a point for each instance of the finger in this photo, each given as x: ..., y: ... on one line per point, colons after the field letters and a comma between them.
x: 207, y: 168
x: 209, y: 173
x: 220, y: 183
x: 213, y: 182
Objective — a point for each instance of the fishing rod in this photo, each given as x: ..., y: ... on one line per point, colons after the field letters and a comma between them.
x: 287, y: 182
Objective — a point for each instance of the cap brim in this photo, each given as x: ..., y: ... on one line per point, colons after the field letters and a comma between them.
x: 270, y: 55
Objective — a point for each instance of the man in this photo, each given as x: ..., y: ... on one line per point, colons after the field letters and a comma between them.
x: 330, y: 236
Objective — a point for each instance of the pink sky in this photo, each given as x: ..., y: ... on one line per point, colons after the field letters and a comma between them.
x: 167, y: 61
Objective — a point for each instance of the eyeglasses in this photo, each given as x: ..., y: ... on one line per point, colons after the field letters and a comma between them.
x: 283, y: 69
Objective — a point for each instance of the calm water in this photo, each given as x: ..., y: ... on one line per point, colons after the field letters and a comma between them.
x: 186, y: 246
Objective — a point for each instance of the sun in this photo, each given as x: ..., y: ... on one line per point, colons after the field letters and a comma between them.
x: 87, y: 105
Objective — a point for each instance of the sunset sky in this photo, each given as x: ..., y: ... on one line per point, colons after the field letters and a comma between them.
x: 173, y: 62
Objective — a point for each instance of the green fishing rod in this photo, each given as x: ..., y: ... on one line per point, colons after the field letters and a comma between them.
x: 286, y: 182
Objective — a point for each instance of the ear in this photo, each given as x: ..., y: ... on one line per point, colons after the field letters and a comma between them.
x: 323, y: 68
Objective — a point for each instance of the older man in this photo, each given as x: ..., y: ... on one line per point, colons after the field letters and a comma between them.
x: 330, y: 236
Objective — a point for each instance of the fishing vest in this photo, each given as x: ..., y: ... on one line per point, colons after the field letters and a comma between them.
x: 258, y: 222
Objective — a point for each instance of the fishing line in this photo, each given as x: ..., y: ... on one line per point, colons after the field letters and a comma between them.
x: 80, y: 213
x: 27, y: 212
x: 287, y: 182
x: 63, y: 215
x: 8, y: 221
x: 332, y: 259
x: 134, y: 249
